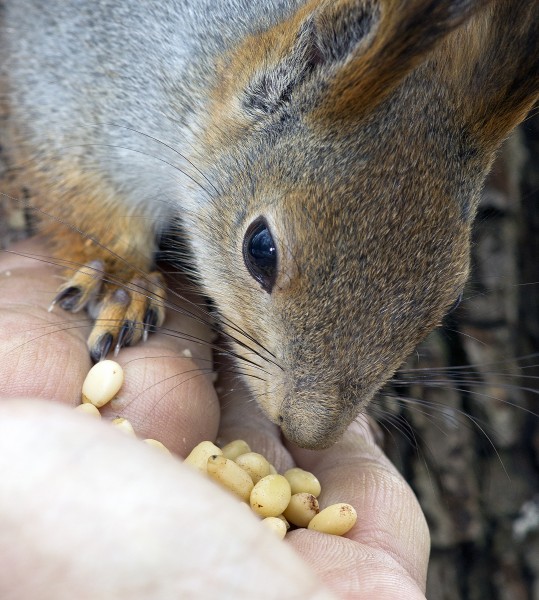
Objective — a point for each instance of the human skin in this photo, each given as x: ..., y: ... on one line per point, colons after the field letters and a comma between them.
x: 88, y: 512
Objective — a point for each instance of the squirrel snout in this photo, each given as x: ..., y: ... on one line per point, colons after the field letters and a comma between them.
x: 316, y: 419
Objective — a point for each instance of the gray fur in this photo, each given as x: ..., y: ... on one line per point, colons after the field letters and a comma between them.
x: 370, y: 207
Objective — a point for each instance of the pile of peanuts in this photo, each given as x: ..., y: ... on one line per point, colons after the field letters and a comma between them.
x: 282, y: 501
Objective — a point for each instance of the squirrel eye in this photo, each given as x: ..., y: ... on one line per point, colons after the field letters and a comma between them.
x: 260, y: 254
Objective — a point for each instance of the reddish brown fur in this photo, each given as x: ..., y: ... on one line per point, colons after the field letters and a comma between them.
x: 368, y: 167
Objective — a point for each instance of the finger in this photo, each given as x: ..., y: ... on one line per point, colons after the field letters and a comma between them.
x: 390, y: 522
x: 241, y: 418
x: 38, y: 349
x: 100, y: 515
x: 168, y: 392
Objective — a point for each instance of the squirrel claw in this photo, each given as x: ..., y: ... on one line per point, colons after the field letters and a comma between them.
x: 125, y: 309
x: 125, y: 337
x: 126, y: 314
x: 152, y: 320
x: 68, y: 298
x: 102, y: 347
x: 81, y: 288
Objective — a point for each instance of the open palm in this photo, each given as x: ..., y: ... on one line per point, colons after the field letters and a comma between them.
x: 88, y: 512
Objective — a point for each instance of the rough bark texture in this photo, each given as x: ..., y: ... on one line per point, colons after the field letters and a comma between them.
x: 463, y: 431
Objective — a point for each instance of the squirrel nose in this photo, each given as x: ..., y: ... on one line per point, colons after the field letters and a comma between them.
x: 315, y: 421
x: 311, y: 434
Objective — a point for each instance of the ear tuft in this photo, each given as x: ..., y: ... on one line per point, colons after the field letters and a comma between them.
x: 271, y: 87
x: 342, y: 27
x: 404, y: 33
x: 322, y: 35
x: 495, y: 68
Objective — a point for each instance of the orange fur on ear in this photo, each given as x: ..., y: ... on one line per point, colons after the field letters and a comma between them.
x: 404, y: 36
x: 492, y: 64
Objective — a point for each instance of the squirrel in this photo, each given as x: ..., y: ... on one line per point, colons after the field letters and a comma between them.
x: 323, y: 158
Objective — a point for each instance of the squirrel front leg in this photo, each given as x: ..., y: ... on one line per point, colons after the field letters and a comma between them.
x: 107, y: 248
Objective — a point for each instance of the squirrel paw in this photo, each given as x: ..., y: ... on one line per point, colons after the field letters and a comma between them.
x: 124, y: 313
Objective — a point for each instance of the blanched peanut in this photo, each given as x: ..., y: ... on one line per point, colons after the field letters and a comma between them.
x: 276, y: 525
x: 270, y: 496
x: 336, y: 519
x: 254, y: 464
x: 233, y: 449
x: 102, y: 383
x: 123, y: 425
x: 89, y: 409
x: 303, y: 481
x: 301, y: 509
x: 198, y: 457
x: 230, y: 475
x: 157, y: 445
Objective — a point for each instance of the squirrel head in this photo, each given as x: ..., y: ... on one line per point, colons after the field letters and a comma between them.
x: 348, y: 145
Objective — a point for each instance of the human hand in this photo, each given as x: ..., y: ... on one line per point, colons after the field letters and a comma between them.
x: 87, y: 512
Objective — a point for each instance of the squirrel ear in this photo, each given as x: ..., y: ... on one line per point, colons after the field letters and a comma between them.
x: 486, y: 52
x: 494, y: 68
x: 401, y: 35
x: 281, y: 68
x: 359, y: 51
x: 320, y: 34
x: 361, y: 48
